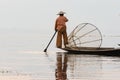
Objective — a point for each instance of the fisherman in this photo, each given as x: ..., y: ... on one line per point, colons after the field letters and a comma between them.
x: 60, y: 27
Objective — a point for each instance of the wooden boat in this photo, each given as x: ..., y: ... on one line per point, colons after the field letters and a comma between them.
x: 93, y: 50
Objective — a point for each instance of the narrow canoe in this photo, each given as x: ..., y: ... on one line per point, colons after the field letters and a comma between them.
x: 93, y: 50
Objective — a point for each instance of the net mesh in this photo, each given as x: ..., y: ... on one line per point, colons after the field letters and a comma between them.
x: 85, y: 35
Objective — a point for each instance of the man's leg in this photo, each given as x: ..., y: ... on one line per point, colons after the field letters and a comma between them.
x: 65, y: 38
x: 59, y: 40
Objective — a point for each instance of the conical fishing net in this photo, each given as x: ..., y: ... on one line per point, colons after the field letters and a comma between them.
x: 85, y: 35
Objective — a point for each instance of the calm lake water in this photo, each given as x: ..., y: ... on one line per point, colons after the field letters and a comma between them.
x: 22, y: 58
x: 60, y: 65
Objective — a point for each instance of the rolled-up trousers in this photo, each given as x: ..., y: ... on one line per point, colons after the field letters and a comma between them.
x: 62, y: 34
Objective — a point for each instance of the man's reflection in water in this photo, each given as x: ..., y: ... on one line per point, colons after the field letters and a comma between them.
x: 61, y: 66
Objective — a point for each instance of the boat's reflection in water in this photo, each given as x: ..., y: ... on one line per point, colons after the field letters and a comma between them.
x: 61, y: 69
x: 86, y: 67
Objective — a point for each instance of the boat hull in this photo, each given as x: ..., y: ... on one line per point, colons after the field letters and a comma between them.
x: 94, y: 51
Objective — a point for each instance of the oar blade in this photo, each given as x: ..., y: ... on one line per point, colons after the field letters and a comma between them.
x: 45, y: 50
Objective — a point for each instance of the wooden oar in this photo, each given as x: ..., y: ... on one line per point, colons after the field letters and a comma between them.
x: 49, y: 42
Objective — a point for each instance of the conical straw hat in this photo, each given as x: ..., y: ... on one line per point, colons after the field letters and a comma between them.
x: 61, y: 12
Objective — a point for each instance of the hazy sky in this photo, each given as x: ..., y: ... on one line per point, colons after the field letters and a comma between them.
x: 39, y: 15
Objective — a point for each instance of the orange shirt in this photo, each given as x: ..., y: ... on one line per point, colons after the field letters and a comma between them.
x: 60, y: 22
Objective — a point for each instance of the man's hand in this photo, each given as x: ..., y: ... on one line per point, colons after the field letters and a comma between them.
x: 56, y: 30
